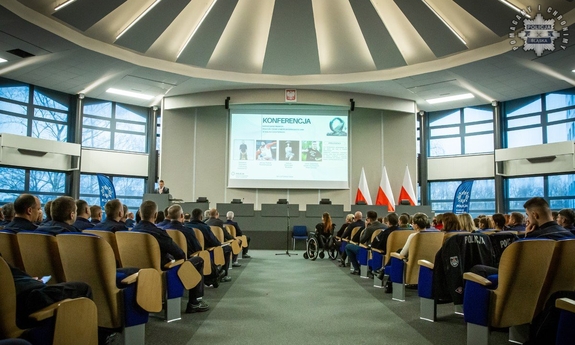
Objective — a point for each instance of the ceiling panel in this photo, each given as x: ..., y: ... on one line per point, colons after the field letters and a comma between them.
x: 92, y: 11
x: 292, y: 43
x: 437, y: 36
x: 492, y: 13
x: 383, y: 50
x: 202, y: 45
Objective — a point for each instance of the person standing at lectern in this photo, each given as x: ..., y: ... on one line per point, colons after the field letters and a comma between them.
x: 162, y: 189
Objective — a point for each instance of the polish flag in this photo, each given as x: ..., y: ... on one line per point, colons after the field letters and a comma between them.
x: 407, y: 192
x: 384, y: 193
x: 362, y: 190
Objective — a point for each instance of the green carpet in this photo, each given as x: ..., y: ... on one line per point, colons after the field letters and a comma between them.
x: 276, y: 299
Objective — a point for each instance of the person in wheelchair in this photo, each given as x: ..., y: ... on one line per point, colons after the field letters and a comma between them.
x: 324, y: 230
x: 322, y: 240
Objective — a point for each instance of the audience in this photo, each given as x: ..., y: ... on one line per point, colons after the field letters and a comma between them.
x: 324, y: 230
x: 230, y: 221
x: 466, y: 222
x: 516, y: 221
x: 371, y: 224
x: 485, y: 223
x: 540, y: 223
x: 165, y: 219
x: 437, y: 222
x: 8, y: 211
x: 114, y: 214
x: 450, y: 222
x: 47, y: 212
x: 419, y: 223
x: 95, y: 214
x: 63, y: 211
x: 404, y: 221
x: 27, y: 210
x: 498, y: 222
x: 83, y: 213
x: 566, y: 219
x: 214, y: 220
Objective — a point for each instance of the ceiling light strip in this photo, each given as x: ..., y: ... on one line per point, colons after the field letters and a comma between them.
x: 139, y: 17
x: 196, y: 29
x: 515, y: 8
x: 129, y: 94
x: 61, y: 6
x: 444, y: 22
x: 3, y: 60
x: 450, y: 98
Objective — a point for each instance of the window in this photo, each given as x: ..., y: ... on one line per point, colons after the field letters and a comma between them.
x: 461, y: 131
x: 32, y: 111
x: 114, y: 126
x: 558, y: 190
x: 46, y: 185
x: 441, y: 196
x: 129, y: 190
x: 540, y: 119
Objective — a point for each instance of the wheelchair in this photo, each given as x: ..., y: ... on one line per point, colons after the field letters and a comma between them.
x: 313, y: 248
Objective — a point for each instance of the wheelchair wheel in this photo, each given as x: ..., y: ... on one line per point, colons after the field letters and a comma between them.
x: 312, y: 248
x: 305, y: 255
x: 321, y: 255
x: 333, y: 250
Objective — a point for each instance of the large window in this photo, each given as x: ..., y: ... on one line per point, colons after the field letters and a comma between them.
x: 32, y: 111
x: 46, y: 185
x: 129, y: 190
x: 558, y: 190
x: 114, y: 126
x: 441, y: 196
x: 540, y: 119
x: 461, y: 131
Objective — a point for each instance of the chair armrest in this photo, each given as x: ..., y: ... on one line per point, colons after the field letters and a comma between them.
x: 174, y: 263
x: 46, y: 312
x: 130, y: 279
x: 565, y: 304
x: 397, y: 256
x: 377, y: 250
x: 425, y: 263
x: 338, y: 238
x: 228, y: 241
x: 364, y: 246
x: 476, y: 278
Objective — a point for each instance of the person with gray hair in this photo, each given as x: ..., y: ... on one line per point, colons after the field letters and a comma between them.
x: 239, y: 233
x: 8, y: 210
x: 214, y: 220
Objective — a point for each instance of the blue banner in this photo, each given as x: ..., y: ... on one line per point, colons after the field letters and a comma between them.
x: 462, y: 197
x: 107, y: 190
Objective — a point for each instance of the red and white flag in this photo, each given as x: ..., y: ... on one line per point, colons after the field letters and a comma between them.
x: 362, y: 190
x: 407, y: 192
x: 384, y: 193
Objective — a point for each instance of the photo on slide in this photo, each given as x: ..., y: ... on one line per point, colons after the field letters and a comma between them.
x: 244, y: 149
x: 289, y: 150
x: 267, y: 150
x: 311, y: 151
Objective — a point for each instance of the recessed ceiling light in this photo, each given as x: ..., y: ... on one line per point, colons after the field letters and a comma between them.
x: 444, y: 22
x: 3, y: 60
x: 130, y: 94
x: 61, y: 6
x: 449, y: 98
x: 573, y: 70
x: 196, y: 28
x: 510, y: 5
x: 138, y: 18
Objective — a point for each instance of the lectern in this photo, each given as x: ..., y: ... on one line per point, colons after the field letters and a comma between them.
x: 162, y: 200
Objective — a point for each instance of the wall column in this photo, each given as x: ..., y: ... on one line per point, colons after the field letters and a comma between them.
x: 422, y: 159
x: 152, y: 153
x: 498, y: 144
x: 76, y: 161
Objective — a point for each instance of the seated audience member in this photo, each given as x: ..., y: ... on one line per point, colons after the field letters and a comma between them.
x: 206, y: 215
x: 404, y: 221
x: 40, y: 217
x: 95, y: 214
x: 214, y: 220
x: 210, y: 239
x: 114, y: 214
x: 466, y: 222
x: 498, y: 222
x: 130, y: 222
x: 566, y: 219
x: 8, y: 211
x: 437, y: 222
x: 138, y: 217
x: 32, y: 295
x: 324, y: 230
x: 476, y: 223
x: 166, y: 221
x: 160, y: 218
x: 357, y: 221
x: 47, y: 213
x: 83, y: 213
x: 450, y: 222
x: 555, y: 214
x: 516, y: 220
x: 485, y: 224
x: 170, y: 250
x: 371, y: 224
x: 419, y: 223
x: 380, y: 241
x: 63, y: 211
x: 27, y: 209
x: 348, y: 220
x: 230, y: 220
x: 187, y: 217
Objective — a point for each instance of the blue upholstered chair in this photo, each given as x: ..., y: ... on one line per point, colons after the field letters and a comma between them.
x: 299, y: 232
x: 566, y: 329
x: 395, y: 242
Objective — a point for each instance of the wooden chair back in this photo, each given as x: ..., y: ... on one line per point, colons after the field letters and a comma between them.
x: 109, y: 237
x: 522, y: 272
x: 423, y: 246
x: 8, y: 327
x: 353, y: 233
x: 179, y: 238
x: 218, y: 252
x: 395, y: 241
x: 40, y: 256
x: 90, y: 259
x: 138, y: 249
x: 10, y: 249
x: 199, y: 237
x: 218, y: 232
x: 231, y: 229
x: 561, y: 274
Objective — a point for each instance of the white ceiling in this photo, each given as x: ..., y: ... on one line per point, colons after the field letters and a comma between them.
x: 397, y: 48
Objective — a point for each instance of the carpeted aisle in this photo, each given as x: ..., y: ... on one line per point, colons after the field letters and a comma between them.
x: 275, y: 299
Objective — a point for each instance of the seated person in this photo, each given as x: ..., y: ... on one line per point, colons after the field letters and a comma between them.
x: 114, y: 213
x: 210, y: 239
x: 130, y: 222
x: 187, y: 217
x: 8, y: 211
x: 95, y: 214
x: 516, y: 220
x: 82, y: 215
x: 324, y: 230
x: 404, y: 221
x: 419, y: 223
x: 466, y: 222
x: 348, y: 220
x: 371, y: 225
x: 165, y: 221
x: 484, y: 224
x: 450, y: 222
x: 63, y: 210
x: 170, y: 251
x: 27, y: 209
x: 437, y: 222
x: 566, y: 219
x: 239, y: 233
x: 214, y: 220
x: 47, y: 213
x: 498, y: 222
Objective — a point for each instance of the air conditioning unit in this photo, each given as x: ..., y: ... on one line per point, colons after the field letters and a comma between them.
x: 22, y: 151
x: 536, y: 159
